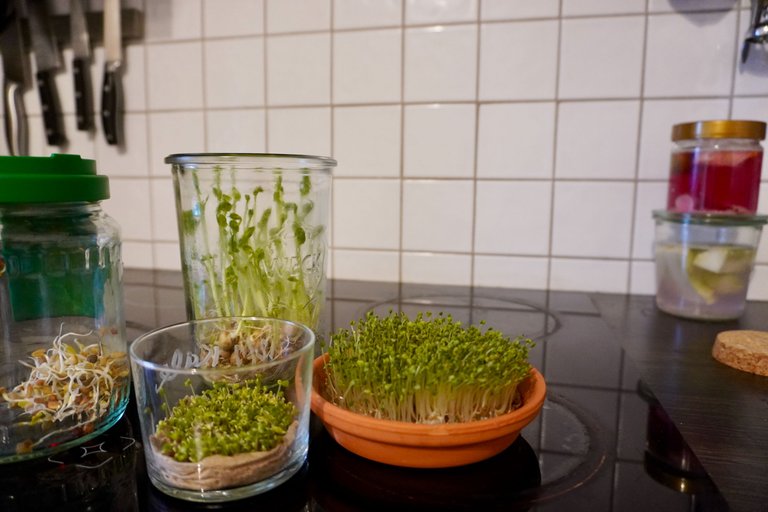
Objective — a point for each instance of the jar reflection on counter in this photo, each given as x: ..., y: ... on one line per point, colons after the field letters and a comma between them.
x: 716, y: 166
x: 63, y: 365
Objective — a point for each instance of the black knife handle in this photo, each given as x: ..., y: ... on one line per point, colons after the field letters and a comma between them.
x: 112, y: 105
x: 83, y: 98
x: 15, y: 119
x: 49, y: 103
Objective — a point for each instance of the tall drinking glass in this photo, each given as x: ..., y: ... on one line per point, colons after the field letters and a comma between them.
x: 252, y: 229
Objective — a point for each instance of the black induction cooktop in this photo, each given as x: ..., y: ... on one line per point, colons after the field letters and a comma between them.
x: 602, y: 442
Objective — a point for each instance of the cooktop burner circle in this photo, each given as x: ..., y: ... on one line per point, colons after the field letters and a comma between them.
x: 509, y: 315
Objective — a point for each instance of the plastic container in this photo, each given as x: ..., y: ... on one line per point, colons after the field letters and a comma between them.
x: 224, y: 405
x: 716, y: 166
x: 253, y: 234
x: 64, y: 371
x: 704, y: 263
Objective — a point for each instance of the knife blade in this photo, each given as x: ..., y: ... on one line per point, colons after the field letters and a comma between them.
x: 15, y: 79
x: 47, y: 60
x: 111, y: 90
x: 81, y: 61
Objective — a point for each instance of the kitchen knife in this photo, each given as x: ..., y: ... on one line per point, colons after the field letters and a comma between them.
x: 111, y: 90
x: 15, y: 79
x: 80, y: 64
x: 47, y: 60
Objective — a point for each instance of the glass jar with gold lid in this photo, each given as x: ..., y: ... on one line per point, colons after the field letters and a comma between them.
x: 716, y: 166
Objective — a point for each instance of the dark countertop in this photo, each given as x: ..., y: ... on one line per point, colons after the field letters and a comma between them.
x: 623, y: 382
x: 721, y: 412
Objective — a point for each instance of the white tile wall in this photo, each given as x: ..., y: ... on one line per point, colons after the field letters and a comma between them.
x: 497, y: 142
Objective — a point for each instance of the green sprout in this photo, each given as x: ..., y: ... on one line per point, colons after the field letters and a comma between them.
x: 268, y: 259
x: 426, y: 370
x: 226, y: 419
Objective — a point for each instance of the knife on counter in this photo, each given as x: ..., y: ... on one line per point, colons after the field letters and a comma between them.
x: 15, y: 80
x: 81, y: 62
x: 111, y: 90
x: 47, y: 60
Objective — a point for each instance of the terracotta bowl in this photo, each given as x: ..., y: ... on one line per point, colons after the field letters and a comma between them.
x: 425, y: 446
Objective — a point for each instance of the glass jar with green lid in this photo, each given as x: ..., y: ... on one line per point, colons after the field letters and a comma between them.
x: 64, y: 375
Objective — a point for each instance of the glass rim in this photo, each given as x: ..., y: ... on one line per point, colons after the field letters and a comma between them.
x: 144, y: 363
x: 298, y: 161
x: 711, y: 218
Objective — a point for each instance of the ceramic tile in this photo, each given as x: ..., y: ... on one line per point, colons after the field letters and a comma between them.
x: 133, y: 78
x: 601, y: 57
x: 513, y: 217
x: 752, y: 108
x: 366, y: 265
x: 592, y: 219
x: 642, y: 280
x: 167, y: 256
x: 173, y: 132
x: 226, y: 18
x: 366, y: 214
x: 305, y: 131
x: 682, y: 6
x: 517, y: 9
x: 164, y: 225
x: 511, y: 272
x: 752, y: 75
x: 298, y: 15
x: 437, y: 215
x: 605, y: 276
x: 367, y: 66
x: 63, y: 84
x: 602, y: 7
x: 129, y: 204
x: 175, y: 76
x: 597, y: 140
x: 81, y: 143
x: 687, y: 55
x: 137, y: 255
x: 515, y: 140
x: 131, y: 160
x: 298, y: 69
x: 650, y: 197
x: 439, y: 11
x: 367, y: 13
x: 659, y: 116
x: 172, y: 20
x: 758, y: 284
x: 508, y: 48
x: 236, y: 131
x: 439, y: 141
x: 445, y: 269
x: 234, y: 73
x: 367, y: 141
x: 440, y: 63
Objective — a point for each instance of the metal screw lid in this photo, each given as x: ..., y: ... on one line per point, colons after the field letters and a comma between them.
x: 719, y: 129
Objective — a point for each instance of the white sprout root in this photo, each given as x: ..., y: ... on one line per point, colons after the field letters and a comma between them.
x: 69, y: 381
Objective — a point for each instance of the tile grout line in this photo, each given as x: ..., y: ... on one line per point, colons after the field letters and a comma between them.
x: 331, y: 77
x: 401, y: 227
x: 635, y: 181
x: 265, y: 58
x: 736, y: 62
x: 553, y: 181
x: 148, y: 139
x: 473, y: 229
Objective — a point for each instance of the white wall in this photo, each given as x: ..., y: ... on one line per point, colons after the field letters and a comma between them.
x: 520, y: 143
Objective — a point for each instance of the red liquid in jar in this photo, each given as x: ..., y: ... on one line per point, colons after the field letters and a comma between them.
x: 720, y: 181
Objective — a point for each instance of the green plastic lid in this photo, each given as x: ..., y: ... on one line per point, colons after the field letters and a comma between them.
x: 55, y: 179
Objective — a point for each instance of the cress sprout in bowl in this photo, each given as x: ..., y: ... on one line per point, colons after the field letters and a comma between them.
x: 430, y: 370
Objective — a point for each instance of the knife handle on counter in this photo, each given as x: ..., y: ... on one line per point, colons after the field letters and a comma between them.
x: 49, y: 103
x: 83, y: 111
x: 15, y: 119
x: 112, y: 105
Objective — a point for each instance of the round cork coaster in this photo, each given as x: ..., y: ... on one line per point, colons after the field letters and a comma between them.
x: 743, y: 350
